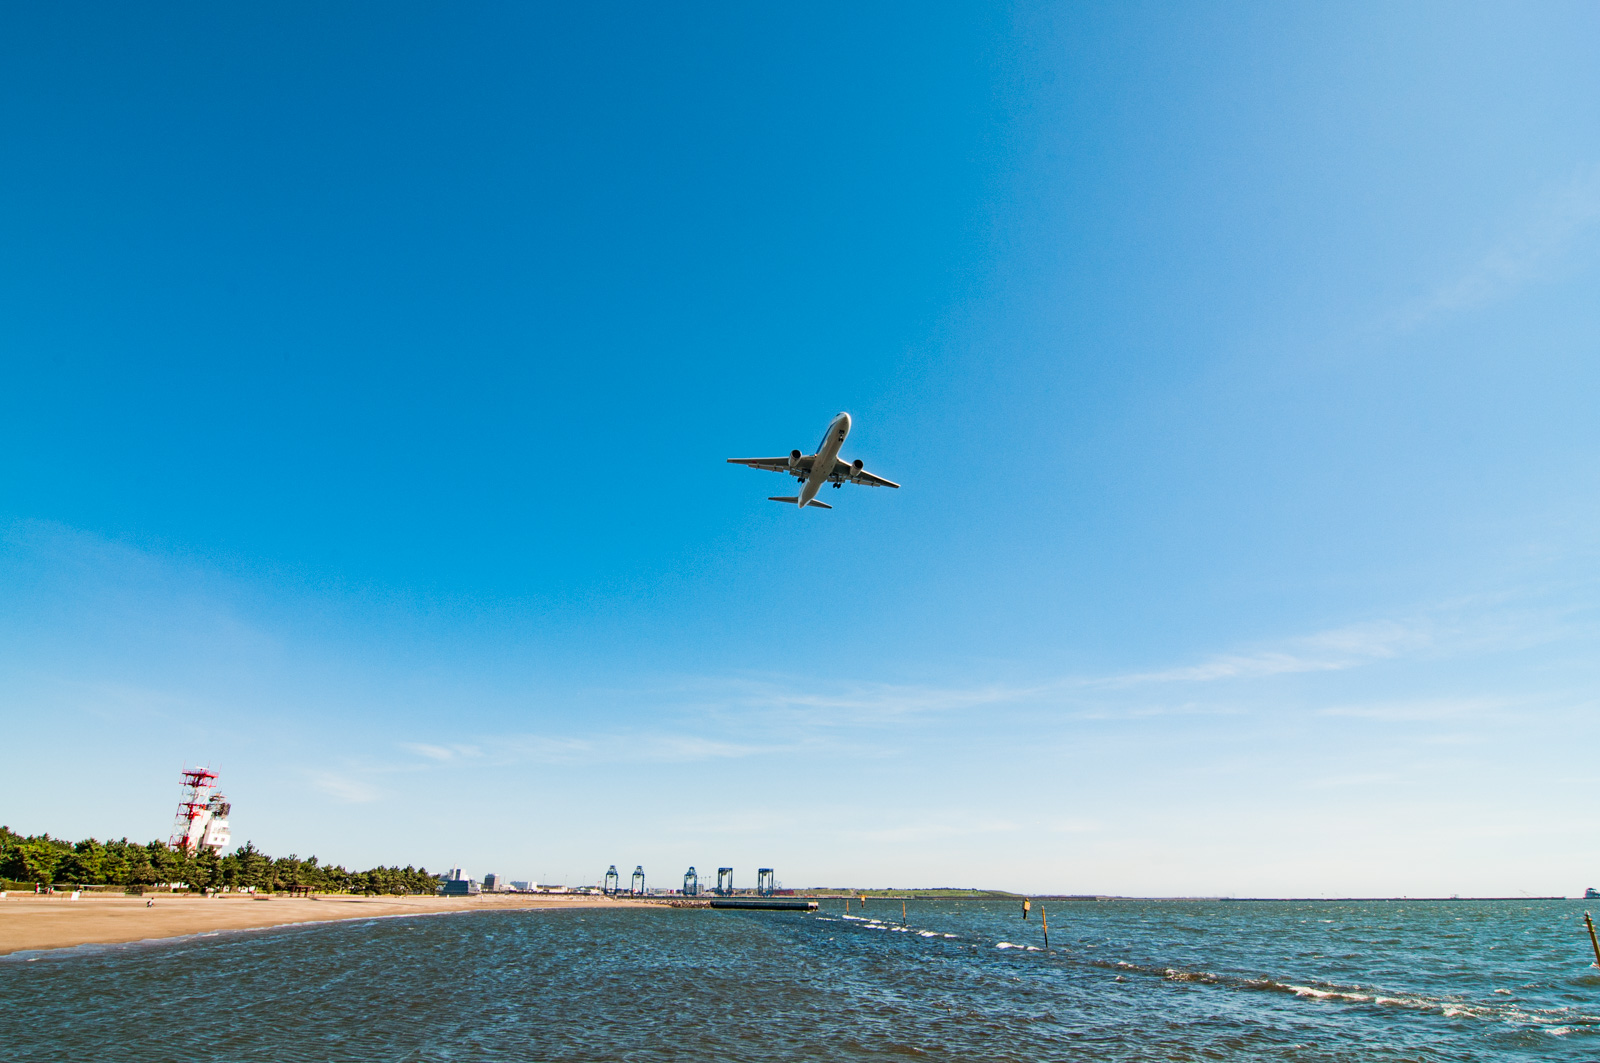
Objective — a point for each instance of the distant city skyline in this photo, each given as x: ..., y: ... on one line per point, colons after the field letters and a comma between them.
x: 369, y: 383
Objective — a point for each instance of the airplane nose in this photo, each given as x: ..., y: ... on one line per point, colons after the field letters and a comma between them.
x: 845, y: 417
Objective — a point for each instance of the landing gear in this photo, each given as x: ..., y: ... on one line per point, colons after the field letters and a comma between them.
x: 837, y: 484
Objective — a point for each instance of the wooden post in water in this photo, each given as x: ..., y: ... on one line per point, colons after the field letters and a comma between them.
x: 903, y: 914
x: 863, y: 902
x: 1026, y: 904
x: 1045, y: 916
x: 1592, y: 939
x: 847, y: 906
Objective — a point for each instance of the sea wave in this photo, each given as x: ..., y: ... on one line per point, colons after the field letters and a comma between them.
x: 1557, y: 1021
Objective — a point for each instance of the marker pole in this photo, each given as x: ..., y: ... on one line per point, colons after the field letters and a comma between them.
x: 1592, y: 939
x: 902, y: 913
x: 1026, y: 904
x: 1046, y: 918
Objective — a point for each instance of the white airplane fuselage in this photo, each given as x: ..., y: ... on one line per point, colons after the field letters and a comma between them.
x: 827, y: 454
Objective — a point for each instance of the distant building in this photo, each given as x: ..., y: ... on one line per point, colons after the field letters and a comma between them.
x: 202, y: 819
x: 525, y: 887
x: 491, y: 881
x: 457, y: 884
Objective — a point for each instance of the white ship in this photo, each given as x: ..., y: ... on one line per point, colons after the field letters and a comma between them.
x: 202, y: 819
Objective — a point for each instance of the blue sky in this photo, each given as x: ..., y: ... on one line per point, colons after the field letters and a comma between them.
x: 369, y: 372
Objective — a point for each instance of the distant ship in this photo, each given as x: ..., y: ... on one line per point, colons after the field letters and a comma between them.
x: 1591, y: 894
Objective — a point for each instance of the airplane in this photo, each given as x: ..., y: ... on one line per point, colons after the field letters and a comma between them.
x: 814, y: 470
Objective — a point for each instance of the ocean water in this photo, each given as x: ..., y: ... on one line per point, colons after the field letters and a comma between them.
x: 964, y: 980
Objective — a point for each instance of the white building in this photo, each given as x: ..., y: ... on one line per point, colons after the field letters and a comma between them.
x: 202, y: 819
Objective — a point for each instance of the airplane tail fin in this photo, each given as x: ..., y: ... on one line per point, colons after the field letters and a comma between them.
x: 792, y: 499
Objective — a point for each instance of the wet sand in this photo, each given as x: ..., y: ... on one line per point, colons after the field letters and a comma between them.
x: 33, y: 921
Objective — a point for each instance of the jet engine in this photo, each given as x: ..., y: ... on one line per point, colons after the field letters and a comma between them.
x: 856, y: 467
x: 794, y: 459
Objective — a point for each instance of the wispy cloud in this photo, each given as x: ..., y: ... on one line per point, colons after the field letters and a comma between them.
x: 677, y: 748
x: 928, y: 830
x: 1328, y: 651
x: 343, y: 787
x: 777, y: 699
x: 1356, y: 781
x: 443, y: 753
x: 708, y: 719
x: 107, y: 700
x: 1419, y: 710
x: 592, y: 749
x: 1561, y: 217
x: 1072, y: 826
x: 756, y: 717
x: 1117, y: 709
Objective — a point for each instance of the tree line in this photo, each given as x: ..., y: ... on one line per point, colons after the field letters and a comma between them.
x: 42, y: 860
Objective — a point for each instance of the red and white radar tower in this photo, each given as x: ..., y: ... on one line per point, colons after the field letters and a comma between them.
x: 202, y: 819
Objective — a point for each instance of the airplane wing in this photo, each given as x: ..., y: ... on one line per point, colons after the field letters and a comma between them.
x: 772, y: 464
x: 844, y: 470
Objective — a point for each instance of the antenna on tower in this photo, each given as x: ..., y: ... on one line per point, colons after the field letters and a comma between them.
x: 202, y: 817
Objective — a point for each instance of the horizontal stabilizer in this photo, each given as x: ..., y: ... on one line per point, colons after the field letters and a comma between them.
x: 792, y: 499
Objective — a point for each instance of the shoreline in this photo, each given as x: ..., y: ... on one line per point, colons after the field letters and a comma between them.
x: 35, y: 922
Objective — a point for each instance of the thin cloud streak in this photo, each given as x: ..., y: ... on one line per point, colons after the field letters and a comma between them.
x: 755, y: 717
x: 865, y: 703
x: 443, y: 753
x: 934, y: 830
x: 1425, y: 710
x: 593, y: 750
x: 1564, y: 215
x: 342, y: 787
x: 758, y: 717
x: 1328, y: 651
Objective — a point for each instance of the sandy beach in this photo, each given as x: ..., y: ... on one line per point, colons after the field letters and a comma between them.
x: 33, y: 921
